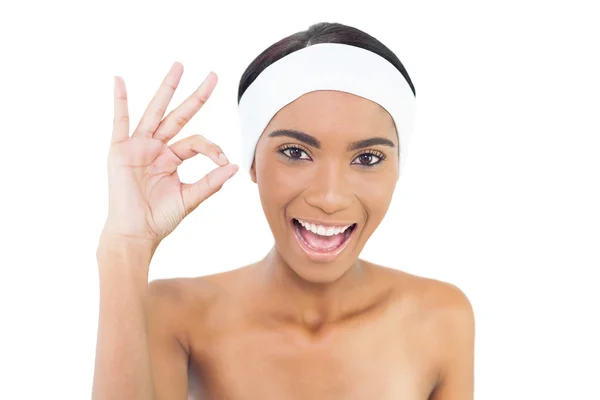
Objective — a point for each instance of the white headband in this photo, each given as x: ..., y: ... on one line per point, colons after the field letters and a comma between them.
x: 325, y: 66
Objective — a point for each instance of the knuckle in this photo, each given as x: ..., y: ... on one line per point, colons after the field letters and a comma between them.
x: 181, y: 120
x: 160, y: 136
x: 204, y: 140
x: 213, y: 185
x: 159, y: 112
x: 171, y: 86
x: 210, y: 183
x: 191, y: 145
x: 199, y: 100
x: 198, y: 141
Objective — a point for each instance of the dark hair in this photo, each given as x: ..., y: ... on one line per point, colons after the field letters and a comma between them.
x: 323, y: 32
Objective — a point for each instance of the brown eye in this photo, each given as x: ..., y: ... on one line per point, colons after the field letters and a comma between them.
x: 369, y: 159
x: 294, y: 153
x: 365, y: 159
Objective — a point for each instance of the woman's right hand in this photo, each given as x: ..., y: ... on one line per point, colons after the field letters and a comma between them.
x: 147, y: 200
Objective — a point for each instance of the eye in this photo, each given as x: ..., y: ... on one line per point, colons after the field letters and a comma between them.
x: 294, y: 152
x: 369, y: 158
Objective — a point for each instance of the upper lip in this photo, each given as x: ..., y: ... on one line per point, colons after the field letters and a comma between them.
x: 325, y: 223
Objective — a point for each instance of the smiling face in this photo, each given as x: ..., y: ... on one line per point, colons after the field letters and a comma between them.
x: 326, y: 168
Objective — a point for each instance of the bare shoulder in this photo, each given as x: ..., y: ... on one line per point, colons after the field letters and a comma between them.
x: 167, y: 308
x: 183, y: 295
x: 181, y: 300
x: 442, y: 316
x: 440, y: 310
x: 185, y: 289
x: 427, y: 294
x: 174, y: 293
x: 172, y: 300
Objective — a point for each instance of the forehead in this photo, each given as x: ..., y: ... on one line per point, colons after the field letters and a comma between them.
x: 326, y: 111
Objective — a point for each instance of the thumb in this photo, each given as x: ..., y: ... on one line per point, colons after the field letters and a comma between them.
x: 195, y: 193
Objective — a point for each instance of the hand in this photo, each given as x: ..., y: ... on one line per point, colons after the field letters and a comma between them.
x: 146, y: 197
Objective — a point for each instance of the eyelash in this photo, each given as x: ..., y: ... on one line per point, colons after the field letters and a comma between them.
x: 374, y: 153
x: 284, y: 149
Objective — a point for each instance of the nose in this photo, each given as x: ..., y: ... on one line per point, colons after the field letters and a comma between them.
x: 329, y: 190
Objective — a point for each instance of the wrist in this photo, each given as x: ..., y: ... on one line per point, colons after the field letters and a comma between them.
x: 117, y: 248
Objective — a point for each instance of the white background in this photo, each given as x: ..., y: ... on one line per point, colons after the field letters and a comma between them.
x: 499, y: 195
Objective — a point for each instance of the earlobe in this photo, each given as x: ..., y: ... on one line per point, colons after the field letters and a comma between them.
x: 253, y: 172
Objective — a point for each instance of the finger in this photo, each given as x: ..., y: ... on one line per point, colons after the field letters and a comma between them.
x: 180, y: 116
x: 195, y: 193
x: 158, y: 106
x: 121, y: 112
x: 197, y: 144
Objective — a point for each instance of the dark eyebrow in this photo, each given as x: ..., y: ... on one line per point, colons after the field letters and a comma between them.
x: 301, y: 136
x: 314, y: 142
x: 361, y: 144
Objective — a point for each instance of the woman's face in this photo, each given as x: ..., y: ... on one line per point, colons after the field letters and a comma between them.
x: 330, y: 159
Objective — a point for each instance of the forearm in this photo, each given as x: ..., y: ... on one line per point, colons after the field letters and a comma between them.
x: 123, y: 369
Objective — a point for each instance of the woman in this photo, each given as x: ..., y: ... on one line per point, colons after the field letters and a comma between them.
x: 311, y: 320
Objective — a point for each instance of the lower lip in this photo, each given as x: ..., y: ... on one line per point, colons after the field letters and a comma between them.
x: 319, y: 256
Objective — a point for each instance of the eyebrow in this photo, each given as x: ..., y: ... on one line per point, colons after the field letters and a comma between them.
x: 361, y: 144
x: 314, y: 142
x: 300, y: 136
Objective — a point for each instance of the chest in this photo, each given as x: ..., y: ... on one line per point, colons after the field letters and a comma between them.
x: 350, y: 362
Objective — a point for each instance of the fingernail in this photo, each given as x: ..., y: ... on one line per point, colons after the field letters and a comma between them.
x: 223, y: 159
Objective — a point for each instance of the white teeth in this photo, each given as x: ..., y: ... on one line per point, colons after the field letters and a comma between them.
x: 322, y: 229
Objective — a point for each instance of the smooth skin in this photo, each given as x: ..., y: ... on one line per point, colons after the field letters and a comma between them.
x: 288, y: 326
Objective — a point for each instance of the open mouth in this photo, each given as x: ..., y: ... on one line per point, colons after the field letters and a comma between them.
x: 324, y: 239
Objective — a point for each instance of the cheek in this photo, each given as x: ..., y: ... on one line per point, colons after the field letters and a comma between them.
x: 276, y: 175
x: 375, y: 192
x: 275, y: 186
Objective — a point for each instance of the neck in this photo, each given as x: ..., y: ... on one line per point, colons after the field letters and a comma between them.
x: 311, y: 304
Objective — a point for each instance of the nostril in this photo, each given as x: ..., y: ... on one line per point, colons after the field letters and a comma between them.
x: 330, y: 199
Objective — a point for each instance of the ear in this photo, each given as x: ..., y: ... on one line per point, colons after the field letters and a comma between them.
x: 253, y: 172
